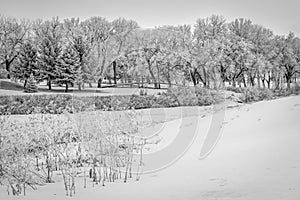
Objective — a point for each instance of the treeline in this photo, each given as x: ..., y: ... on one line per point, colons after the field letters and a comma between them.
x: 213, y: 53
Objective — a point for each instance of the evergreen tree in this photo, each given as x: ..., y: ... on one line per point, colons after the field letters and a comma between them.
x: 82, y: 47
x: 50, y: 50
x: 68, y: 70
x: 81, y: 40
x: 26, y: 63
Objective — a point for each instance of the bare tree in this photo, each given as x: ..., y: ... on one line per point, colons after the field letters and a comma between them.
x: 12, y: 35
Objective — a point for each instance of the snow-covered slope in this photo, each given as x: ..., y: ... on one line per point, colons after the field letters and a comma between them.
x: 257, y: 157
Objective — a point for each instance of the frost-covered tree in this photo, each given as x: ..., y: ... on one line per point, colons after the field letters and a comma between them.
x: 81, y: 41
x: 100, y: 31
x: 68, y: 70
x: 50, y: 47
x: 208, y: 35
x: 12, y: 34
x: 123, y: 30
x: 26, y: 62
x: 287, y: 49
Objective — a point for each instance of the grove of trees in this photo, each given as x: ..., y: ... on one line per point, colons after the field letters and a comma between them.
x: 211, y: 53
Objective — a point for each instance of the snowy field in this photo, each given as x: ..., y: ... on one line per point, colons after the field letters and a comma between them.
x: 8, y: 87
x: 257, y: 157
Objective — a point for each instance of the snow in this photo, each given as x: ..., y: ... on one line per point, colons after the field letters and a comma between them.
x: 256, y: 157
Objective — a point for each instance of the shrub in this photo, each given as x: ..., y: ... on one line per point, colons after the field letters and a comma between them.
x: 286, y: 92
x: 185, y: 96
x: 207, y: 97
x: 265, y: 94
x: 189, y: 96
x: 166, y: 99
x: 57, y: 104
x: 281, y: 92
x: 255, y: 94
x: 139, y: 102
x: 250, y: 95
x: 177, y: 96
x: 295, y: 89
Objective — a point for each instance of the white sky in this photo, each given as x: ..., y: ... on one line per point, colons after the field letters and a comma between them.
x: 281, y: 16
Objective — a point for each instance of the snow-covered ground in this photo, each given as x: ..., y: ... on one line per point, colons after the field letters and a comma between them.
x: 257, y: 157
x: 9, y: 88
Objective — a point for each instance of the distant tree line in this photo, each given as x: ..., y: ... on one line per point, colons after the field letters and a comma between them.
x: 213, y: 53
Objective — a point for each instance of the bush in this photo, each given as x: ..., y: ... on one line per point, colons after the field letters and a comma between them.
x: 295, y: 89
x: 57, y: 104
x: 265, y: 94
x: 255, y: 94
x: 185, y: 96
x: 28, y: 104
x: 173, y: 97
x: 140, y: 102
x: 286, y: 92
x: 166, y: 99
x: 207, y: 97
x: 189, y: 96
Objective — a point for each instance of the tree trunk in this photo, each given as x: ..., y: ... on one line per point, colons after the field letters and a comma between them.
x: 154, y: 80
x: 276, y: 80
x: 269, y: 84
x: 99, y: 83
x: 7, y: 67
x: 142, y: 81
x: 158, y: 76
x: 67, y: 88
x: 223, y: 75
x: 288, y: 77
x: 48, y: 166
x: 152, y: 74
x: 252, y: 81
x: 288, y: 83
x: 193, y: 78
x: 49, y: 84
x: 115, y: 72
x: 263, y: 83
x: 205, y: 79
x: 25, y: 83
x: 258, y: 80
x: 233, y: 83
x: 244, y: 81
